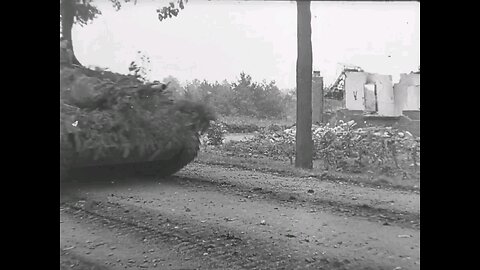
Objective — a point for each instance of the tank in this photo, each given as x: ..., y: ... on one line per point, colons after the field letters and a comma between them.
x: 113, y: 121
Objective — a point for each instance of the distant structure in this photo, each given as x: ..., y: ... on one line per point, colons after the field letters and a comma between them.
x: 317, y: 98
x: 375, y: 94
x: 373, y: 97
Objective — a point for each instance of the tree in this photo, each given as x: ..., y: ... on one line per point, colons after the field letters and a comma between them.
x: 304, y: 143
x: 242, y: 95
x: 289, y: 103
x: 191, y: 90
x: 71, y: 11
x: 83, y: 11
x: 268, y: 101
x: 222, y: 98
x: 174, y: 87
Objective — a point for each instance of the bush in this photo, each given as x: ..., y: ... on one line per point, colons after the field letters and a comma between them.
x: 341, y: 147
x: 215, y: 134
x: 241, y: 128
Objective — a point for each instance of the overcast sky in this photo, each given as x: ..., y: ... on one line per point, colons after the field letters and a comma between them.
x: 216, y: 40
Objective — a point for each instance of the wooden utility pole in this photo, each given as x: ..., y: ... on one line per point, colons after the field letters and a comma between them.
x: 304, y: 142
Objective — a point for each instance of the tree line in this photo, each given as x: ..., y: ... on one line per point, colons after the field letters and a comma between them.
x: 244, y: 97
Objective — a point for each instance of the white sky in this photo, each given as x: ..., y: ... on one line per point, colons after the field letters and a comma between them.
x: 216, y: 40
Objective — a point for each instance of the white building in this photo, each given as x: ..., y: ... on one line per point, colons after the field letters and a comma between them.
x: 375, y: 94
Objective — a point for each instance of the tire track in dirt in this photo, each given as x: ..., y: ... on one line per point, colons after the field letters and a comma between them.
x: 90, y: 241
x: 326, y: 176
x: 365, y: 245
x: 388, y: 207
x: 219, y: 249
x: 305, y: 200
x: 69, y: 260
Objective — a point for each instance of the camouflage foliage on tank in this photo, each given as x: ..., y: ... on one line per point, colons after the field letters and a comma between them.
x: 108, y: 118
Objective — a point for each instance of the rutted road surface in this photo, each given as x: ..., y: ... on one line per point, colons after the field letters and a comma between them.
x: 211, y: 217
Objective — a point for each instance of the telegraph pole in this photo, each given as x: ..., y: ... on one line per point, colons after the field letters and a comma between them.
x: 304, y: 142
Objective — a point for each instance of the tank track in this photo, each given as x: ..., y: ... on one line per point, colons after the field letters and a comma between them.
x: 163, y: 168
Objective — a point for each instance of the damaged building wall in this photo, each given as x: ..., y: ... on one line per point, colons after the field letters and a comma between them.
x: 354, y: 90
x: 372, y: 93
x: 384, y: 94
x: 407, y: 92
x: 413, y: 98
x: 373, y: 99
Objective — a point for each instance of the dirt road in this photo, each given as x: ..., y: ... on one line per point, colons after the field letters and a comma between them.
x: 210, y: 217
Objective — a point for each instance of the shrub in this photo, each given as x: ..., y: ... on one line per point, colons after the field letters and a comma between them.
x: 215, y: 134
x: 341, y: 147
